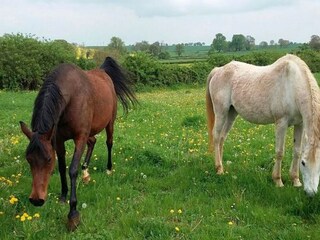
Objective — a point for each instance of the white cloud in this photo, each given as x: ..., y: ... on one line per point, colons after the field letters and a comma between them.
x: 172, y: 21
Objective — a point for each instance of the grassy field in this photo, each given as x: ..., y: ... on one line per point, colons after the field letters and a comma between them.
x: 163, y: 185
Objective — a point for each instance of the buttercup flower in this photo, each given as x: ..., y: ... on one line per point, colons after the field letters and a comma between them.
x: 13, y: 199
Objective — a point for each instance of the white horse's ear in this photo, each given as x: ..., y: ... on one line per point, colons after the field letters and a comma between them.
x: 26, y: 130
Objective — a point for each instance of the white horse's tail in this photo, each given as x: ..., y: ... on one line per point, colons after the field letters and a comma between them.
x: 210, y: 112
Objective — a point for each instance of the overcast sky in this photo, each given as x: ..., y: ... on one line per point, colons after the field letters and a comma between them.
x: 94, y: 22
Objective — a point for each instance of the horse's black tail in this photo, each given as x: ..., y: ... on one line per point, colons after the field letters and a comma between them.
x: 121, y: 82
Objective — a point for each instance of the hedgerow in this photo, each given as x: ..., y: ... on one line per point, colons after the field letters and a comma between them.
x: 25, y: 61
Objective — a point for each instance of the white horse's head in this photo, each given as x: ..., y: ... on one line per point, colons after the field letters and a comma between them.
x: 310, y: 169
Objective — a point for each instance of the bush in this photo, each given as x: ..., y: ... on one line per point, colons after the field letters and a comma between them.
x: 145, y: 70
x: 259, y: 58
x: 25, y: 61
x: 311, y: 57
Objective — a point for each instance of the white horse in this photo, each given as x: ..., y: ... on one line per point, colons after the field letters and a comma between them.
x: 285, y: 93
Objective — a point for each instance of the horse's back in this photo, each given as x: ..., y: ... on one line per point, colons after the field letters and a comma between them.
x: 90, y: 100
x: 260, y: 94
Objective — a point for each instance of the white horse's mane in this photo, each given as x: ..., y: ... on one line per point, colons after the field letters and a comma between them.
x: 314, y: 93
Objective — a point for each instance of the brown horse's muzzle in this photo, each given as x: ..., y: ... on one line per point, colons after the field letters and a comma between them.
x: 38, y: 194
x: 36, y: 202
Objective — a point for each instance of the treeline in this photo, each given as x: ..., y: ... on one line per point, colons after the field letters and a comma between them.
x: 25, y: 61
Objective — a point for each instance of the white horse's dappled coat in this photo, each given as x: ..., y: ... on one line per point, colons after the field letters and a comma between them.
x: 285, y: 93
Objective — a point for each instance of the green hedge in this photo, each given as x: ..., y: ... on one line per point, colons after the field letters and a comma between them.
x: 146, y: 70
x: 311, y: 57
x: 25, y: 61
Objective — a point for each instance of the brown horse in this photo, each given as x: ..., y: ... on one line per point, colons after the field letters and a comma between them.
x: 73, y: 104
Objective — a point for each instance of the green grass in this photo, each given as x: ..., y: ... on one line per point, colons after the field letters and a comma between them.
x: 160, y: 164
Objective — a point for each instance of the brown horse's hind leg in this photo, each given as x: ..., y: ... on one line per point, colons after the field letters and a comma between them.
x: 85, y: 172
x: 109, y: 142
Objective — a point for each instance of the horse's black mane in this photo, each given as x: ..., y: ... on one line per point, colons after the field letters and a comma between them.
x: 47, y: 106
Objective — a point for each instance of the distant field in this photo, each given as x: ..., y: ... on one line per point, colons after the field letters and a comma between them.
x: 163, y: 185
x: 198, y: 53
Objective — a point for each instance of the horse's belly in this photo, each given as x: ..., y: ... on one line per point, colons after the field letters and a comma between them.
x: 269, y: 114
x: 257, y: 117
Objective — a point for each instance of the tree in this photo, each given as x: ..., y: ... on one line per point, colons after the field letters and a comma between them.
x: 117, y: 44
x: 155, y: 49
x: 315, y: 42
x: 250, y: 42
x: 219, y: 43
x: 283, y: 42
x: 263, y: 44
x: 179, y: 49
x: 142, y: 46
x: 238, y: 42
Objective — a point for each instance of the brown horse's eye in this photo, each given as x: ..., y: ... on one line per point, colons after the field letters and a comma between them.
x: 303, y: 163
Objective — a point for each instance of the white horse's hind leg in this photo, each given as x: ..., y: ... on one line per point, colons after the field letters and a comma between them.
x: 232, y: 114
x: 294, y: 169
x: 220, y: 121
x: 281, y: 128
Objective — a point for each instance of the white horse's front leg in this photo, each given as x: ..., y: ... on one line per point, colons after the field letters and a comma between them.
x: 281, y: 128
x: 294, y: 169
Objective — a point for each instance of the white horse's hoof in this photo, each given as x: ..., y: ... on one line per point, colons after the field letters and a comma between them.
x: 297, y: 183
x: 109, y: 172
x: 219, y: 170
x: 278, y: 183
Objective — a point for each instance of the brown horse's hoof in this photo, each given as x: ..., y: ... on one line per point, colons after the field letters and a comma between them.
x: 62, y: 200
x: 86, y: 177
x: 73, y: 222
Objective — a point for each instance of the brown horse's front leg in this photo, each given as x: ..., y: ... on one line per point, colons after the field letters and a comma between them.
x: 74, y: 215
x: 61, y: 153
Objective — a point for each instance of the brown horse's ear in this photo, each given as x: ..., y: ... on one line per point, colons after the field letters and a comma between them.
x: 26, y: 130
x: 48, y: 135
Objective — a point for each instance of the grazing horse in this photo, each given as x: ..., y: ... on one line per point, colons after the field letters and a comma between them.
x: 73, y: 104
x: 285, y: 93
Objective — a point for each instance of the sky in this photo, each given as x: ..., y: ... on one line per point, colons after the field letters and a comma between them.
x: 95, y: 22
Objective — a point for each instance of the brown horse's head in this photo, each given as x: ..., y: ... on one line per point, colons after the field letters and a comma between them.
x: 41, y: 157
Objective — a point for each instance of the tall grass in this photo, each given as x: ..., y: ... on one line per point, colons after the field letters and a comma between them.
x: 163, y: 185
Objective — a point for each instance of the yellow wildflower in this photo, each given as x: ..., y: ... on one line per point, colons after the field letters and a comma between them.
x: 171, y: 211
x: 230, y: 223
x: 36, y: 215
x: 177, y: 229
x: 179, y: 211
x: 23, y: 218
x: 13, y: 200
